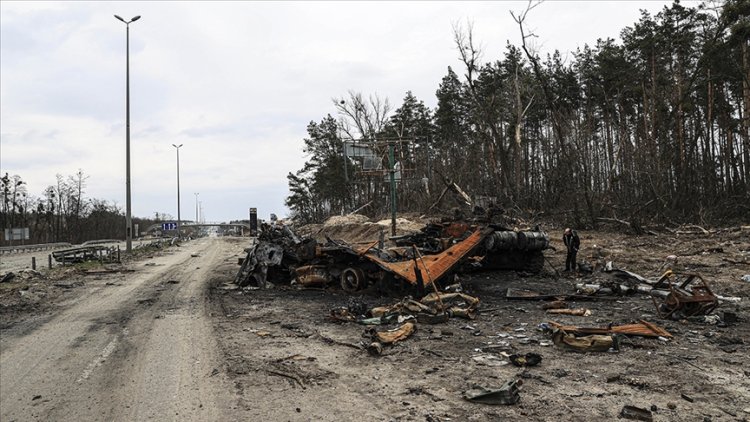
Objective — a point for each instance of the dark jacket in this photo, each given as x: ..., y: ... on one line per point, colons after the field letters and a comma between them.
x: 572, y: 241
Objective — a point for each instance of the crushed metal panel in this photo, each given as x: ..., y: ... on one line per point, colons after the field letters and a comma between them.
x: 432, y: 266
x: 589, y: 343
x: 507, y: 394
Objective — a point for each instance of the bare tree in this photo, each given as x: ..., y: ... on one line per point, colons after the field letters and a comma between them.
x: 471, y: 55
x: 360, y: 117
x: 520, y: 113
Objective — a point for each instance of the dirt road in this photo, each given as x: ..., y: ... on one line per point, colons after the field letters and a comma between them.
x: 133, y: 346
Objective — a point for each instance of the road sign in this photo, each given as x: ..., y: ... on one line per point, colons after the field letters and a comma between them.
x: 17, y: 234
x: 169, y: 226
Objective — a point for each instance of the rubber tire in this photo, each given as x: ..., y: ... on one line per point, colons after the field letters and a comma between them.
x: 353, y: 279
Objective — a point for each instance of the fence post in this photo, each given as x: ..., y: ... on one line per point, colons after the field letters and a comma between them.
x: 49, y: 261
x: 33, y: 263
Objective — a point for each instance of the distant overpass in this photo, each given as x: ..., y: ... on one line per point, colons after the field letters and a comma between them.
x: 185, y: 225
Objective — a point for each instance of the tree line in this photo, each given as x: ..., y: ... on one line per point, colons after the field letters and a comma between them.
x: 62, y: 213
x: 651, y: 127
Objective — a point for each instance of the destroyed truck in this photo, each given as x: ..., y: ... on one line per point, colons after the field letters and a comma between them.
x: 416, y: 261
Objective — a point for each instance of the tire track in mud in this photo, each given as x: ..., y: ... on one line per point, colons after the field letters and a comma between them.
x: 114, y: 355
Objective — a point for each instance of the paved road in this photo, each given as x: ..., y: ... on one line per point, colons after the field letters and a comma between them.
x: 141, y: 349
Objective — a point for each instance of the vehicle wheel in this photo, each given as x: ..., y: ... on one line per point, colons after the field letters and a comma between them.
x: 353, y: 279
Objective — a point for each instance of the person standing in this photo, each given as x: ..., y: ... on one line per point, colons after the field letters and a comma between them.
x: 572, y: 243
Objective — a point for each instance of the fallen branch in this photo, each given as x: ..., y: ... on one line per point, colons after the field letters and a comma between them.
x: 360, y: 208
x: 637, y: 229
x: 440, y: 198
x: 453, y: 187
x: 700, y: 230
x: 329, y: 340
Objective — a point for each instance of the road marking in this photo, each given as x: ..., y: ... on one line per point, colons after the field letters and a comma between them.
x: 98, y: 360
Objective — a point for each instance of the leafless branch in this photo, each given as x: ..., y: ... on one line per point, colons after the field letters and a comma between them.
x: 367, y: 116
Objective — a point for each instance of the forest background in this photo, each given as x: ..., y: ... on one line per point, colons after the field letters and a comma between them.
x: 653, y: 127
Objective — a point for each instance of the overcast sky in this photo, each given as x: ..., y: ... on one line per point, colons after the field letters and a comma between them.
x: 235, y: 82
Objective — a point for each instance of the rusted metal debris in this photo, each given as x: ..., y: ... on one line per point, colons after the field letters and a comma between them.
x: 413, y: 265
x: 395, y: 335
x: 436, y: 265
x: 676, y: 295
x: 427, y: 310
x: 683, y: 295
x: 573, y: 312
x: 587, y: 343
x: 641, y: 328
x: 389, y: 337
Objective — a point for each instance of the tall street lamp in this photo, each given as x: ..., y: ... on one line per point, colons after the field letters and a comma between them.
x: 196, y: 207
x: 179, y: 221
x: 128, y: 219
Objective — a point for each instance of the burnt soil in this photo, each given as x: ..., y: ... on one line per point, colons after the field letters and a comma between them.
x: 288, y: 360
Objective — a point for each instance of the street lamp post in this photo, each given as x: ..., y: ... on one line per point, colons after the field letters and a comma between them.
x: 128, y: 218
x: 196, y: 207
x: 179, y: 221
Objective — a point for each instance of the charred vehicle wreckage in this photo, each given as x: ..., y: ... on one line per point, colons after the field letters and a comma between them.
x: 415, y: 260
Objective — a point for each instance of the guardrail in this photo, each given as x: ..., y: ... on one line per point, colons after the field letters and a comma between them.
x: 27, y: 248
x: 99, y: 242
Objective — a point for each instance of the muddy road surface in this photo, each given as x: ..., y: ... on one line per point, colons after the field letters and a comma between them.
x: 130, y: 345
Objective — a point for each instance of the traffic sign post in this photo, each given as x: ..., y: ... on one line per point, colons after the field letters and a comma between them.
x: 253, y: 221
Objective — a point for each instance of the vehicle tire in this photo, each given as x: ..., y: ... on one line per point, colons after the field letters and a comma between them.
x: 353, y: 279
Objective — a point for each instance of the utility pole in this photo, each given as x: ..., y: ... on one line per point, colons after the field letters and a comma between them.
x: 179, y: 220
x: 392, y: 165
